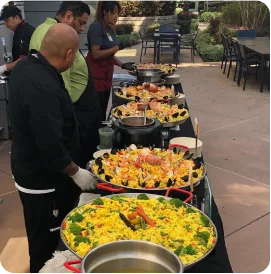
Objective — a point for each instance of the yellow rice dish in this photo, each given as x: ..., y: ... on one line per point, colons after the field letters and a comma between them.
x: 177, y: 226
x: 166, y: 68
x: 163, y: 112
x: 145, y: 92
x: 146, y: 168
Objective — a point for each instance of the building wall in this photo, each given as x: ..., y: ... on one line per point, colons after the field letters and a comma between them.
x: 144, y: 22
x: 36, y: 13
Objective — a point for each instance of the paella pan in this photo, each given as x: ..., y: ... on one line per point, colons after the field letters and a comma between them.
x: 146, y: 92
x: 168, y: 115
x: 178, y: 226
x: 167, y: 69
x: 137, y: 168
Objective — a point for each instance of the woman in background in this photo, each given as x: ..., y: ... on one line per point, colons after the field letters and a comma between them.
x: 103, y: 46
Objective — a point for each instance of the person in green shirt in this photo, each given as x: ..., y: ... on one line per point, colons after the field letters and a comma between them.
x: 78, y: 79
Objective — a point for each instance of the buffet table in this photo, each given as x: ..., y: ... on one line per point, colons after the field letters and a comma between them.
x: 217, y: 261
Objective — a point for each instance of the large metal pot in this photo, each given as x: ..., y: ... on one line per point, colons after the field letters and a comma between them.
x: 130, y: 256
x: 149, y: 75
x: 136, y: 121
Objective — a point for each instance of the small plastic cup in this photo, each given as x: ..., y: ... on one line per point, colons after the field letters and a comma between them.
x: 106, y: 137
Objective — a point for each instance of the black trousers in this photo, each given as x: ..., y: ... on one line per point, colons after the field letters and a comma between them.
x: 103, y: 99
x: 90, y: 141
x: 39, y: 219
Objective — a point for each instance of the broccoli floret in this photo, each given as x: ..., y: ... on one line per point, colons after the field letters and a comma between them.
x: 176, y: 202
x: 190, y: 210
x: 161, y: 200
x: 142, y: 196
x: 203, y: 237
x: 98, y: 201
x: 204, y: 220
x: 179, y: 251
x: 190, y: 250
x: 75, y: 229
x: 81, y: 239
x: 77, y: 217
x: 115, y: 198
x: 118, y: 198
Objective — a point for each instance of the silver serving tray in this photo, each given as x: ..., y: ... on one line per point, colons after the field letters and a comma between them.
x: 129, y: 189
x: 164, y: 124
x: 134, y: 195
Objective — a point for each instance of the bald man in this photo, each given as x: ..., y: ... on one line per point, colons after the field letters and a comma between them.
x: 45, y: 157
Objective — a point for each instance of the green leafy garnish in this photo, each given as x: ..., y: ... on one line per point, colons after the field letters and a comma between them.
x: 190, y: 250
x: 204, y: 220
x: 75, y: 229
x: 190, y: 210
x: 203, y: 237
x: 176, y: 202
x: 142, y: 196
x: 161, y: 200
x: 76, y: 217
x: 98, y: 201
x: 81, y: 239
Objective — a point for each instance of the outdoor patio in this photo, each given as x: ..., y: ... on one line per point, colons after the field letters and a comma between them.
x: 234, y: 127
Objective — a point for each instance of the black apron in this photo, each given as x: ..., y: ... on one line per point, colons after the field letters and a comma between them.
x: 88, y: 113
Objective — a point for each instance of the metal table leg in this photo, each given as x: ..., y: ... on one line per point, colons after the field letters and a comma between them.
x: 262, y: 72
x: 155, y: 49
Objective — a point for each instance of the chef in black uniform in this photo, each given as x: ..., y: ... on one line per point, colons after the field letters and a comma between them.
x: 23, y: 31
x: 46, y: 158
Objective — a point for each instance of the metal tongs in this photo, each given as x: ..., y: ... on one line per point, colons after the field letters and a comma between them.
x: 145, y: 113
x: 7, y: 56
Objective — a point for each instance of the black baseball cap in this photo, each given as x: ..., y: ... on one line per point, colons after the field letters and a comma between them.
x: 10, y: 11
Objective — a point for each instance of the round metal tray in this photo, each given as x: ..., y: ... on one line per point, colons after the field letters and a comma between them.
x: 164, y: 124
x: 134, y: 195
x: 185, y: 187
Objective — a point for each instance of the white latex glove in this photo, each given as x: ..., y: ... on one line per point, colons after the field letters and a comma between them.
x: 84, y: 179
x: 3, y: 69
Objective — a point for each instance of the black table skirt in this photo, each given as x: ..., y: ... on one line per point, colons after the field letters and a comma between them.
x: 218, y: 260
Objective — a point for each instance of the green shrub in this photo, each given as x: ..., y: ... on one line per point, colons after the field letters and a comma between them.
x: 151, y: 29
x: 227, y: 31
x: 127, y: 40
x: 206, y: 16
x: 194, y: 24
x: 124, y: 29
x: 260, y: 13
x: 231, y: 14
x: 147, y: 8
x: 211, y: 52
x: 135, y: 35
x: 207, y: 47
x: 204, y: 38
x: 214, y: 25
x: 265, y: 32
x: 184, y: 20
x: 178, y: 10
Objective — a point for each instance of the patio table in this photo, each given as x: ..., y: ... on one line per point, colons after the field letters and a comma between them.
x: 156, y: 54
x: 253, y: 41
x: 217, y: 261
x: 264, y: 52
x: 259, y: 45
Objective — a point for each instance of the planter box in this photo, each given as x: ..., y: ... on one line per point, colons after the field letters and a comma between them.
x: 140, y: 22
